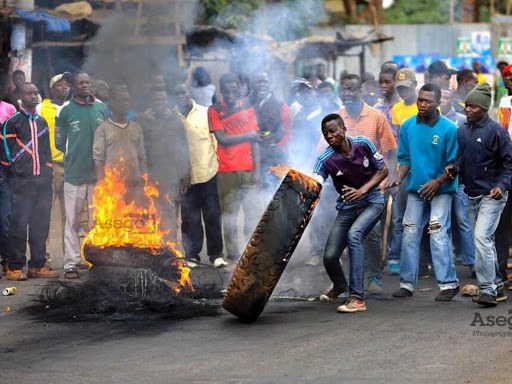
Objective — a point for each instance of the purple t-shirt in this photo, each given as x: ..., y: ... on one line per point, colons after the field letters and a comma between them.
x: 354, y: 171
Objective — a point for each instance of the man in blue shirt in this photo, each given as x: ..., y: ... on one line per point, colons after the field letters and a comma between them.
x: 357, y: 169
x: 427, y: 145
x: 485, y: 163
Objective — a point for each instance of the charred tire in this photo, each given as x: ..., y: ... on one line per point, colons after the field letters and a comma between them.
x: 131, y: 259
x: 271, y: 246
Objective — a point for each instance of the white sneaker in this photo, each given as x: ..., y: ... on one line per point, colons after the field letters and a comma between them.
x: 219, y: 262
x: 191, y: 264
x: 353, y: 305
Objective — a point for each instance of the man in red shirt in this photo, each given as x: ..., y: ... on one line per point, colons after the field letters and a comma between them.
x: 234, y: 124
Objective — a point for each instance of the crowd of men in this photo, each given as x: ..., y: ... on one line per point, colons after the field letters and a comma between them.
x: 425, y: 172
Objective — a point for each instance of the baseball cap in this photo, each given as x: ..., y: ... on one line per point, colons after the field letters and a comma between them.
x: 55, y: 79
x: 301, y: 81
x: 405, y: 77
x: 441, y: 66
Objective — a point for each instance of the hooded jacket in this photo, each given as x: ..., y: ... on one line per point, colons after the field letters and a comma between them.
x: 26, y: 147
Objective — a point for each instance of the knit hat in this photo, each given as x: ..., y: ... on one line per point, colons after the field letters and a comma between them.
x: 480, y: 96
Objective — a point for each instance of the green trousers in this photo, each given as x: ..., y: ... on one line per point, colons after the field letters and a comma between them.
x: 237, y: 191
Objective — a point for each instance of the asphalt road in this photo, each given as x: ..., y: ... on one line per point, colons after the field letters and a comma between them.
x: 413, y: 340
x: 410, y: 341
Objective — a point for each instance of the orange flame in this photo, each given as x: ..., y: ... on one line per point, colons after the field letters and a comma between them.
x: 121, y: 224
x: 283, y: 170
x: 280, y: 170
x: 299, y: 176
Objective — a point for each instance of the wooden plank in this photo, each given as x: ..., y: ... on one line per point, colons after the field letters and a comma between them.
x: 152, y: 40
x: 159, y: 20
x: 60, y: 44
x: 138, y: 40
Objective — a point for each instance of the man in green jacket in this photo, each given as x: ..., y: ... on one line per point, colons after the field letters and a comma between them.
x: 75, y: 125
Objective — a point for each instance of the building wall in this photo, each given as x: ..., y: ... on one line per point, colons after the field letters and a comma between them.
x: 408, y: 40
x: 22, y: 4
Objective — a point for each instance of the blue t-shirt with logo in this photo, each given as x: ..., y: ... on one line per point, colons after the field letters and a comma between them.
x: 354, y: 171
x: 428, y: 150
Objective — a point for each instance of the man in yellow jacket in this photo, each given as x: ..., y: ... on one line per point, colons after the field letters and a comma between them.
x: 59, y: 89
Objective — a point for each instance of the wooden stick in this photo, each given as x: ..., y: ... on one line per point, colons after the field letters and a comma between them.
x: 385, y: 231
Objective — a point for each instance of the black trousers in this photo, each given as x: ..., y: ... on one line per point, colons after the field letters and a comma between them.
x: 5, y: 219
x: 31, y: 204
x: 502, y: 236
x: 202, y: 200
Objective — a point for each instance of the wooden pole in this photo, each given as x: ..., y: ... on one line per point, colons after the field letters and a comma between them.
x: 177, y: 31
x: 139, y: 14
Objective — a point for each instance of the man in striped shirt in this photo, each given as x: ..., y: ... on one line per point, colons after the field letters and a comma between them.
x: 357, y: 169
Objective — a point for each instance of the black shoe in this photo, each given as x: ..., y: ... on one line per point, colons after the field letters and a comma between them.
x: 331, y: 294
x: 447, y: 294
x: 487, y: 300
x: 402, y: 293
x: 472, y: 270
x: 194, y: 259
x: 501, y: 295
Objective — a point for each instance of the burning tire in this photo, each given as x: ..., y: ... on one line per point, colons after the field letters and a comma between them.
x: 132, y: 267
x: 271, y: 246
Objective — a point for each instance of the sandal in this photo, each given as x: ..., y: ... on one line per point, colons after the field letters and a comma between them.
x: 71, y: 273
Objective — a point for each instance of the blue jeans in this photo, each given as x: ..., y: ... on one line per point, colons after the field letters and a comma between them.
x: 397, y: 218
x: 5, y: 218
x: 349, y: 229
x: 460, y: 208
x: 484, y: 215
x: 436, y: 213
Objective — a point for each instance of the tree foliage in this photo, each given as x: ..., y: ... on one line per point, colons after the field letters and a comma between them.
x: 228, y: 13
x: 418, y: 11
x: 281, y: 19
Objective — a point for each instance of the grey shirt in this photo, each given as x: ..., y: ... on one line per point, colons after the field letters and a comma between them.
x: 456, y: 117
x: 113, y: 142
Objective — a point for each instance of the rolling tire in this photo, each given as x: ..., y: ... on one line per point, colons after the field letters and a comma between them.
x: 271, y: 246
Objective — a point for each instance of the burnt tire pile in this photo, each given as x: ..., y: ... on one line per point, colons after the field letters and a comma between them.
x: 271, y: 246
